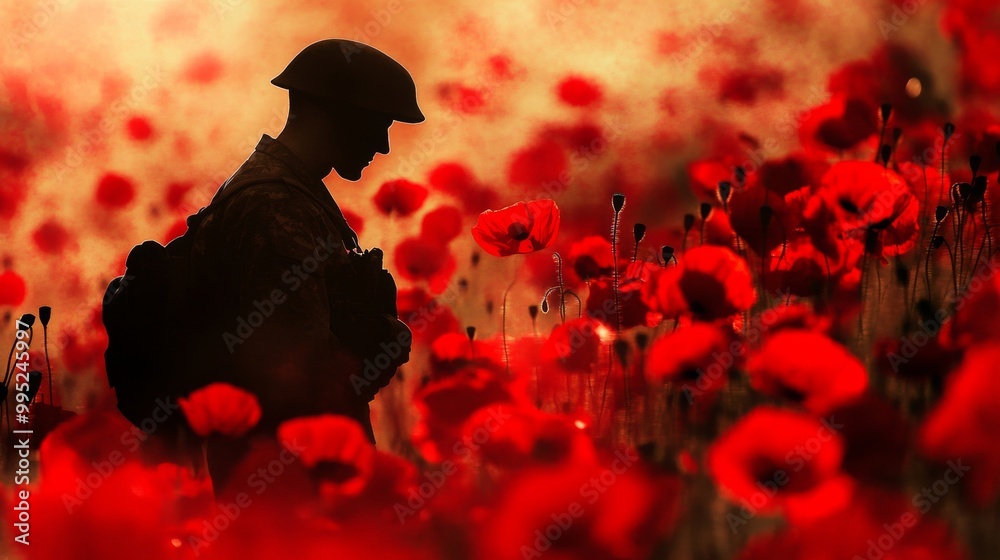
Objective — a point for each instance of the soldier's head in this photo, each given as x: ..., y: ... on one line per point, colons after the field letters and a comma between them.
x: 343, y: 96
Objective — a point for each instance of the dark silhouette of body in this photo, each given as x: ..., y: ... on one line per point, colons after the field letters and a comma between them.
x: 298, y: 307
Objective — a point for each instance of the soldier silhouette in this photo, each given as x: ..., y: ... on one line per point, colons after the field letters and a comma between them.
x: 308, y: 318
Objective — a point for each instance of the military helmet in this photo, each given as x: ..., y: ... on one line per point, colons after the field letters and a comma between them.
x: 344, y: 71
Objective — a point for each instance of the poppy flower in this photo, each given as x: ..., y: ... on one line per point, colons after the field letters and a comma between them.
x: 574, y: 346
x: 402, y: 196
x: 12, y: 288
x: 779, y: 461
x: 624, y: 518
x: 419, y: 259
x: 860, y: 198
x: 807, y: 368
x: 696, y: 357
x: 220, y: 408
x: 441, y: 224
x: 839, y: 124
x: 335, y: 447
x: 745, y: 217
x: 705, y: 176
x: 878, y: 523
x: 601, y: 301
x: 711, y: 282
x: 538, y: 165
x: 453, y: 351
x: 456, y: 180
x: 427, y: 316
x: 794, y: 171
x: 964, y: 425
x: 523, y: 227
x: 589, y: 258
x: 527, y: 437
x: 443, y: 406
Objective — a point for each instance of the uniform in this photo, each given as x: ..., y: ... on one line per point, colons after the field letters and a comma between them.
x: 277, y: 266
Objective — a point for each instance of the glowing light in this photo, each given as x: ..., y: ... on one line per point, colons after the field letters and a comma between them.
x: 580, y: 424
x: 914, y: 87
x: 176, y: 542
x: 604, y: 333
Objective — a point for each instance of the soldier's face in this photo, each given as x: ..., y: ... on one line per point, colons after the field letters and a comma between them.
x: 357, y: 135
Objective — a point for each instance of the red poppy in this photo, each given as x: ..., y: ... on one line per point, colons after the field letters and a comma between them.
x: 779, y: 461
x: 705, y: 176
x: 222, y: 409
x: 456, y: 180
x: 453, y: 351
x: 635, y: 312
x: 876, y: 524
x: 542, y: 164
x: 335, y: 447
x: 839, y: 124
x: 12, y: 288
x: 807, y: 368
x: 574, y: 346
x: 441, y: 225
x: 711, y: 282
x: 697, y: 358
x: 588, y: 259
x: 402, y: 196
x: 578, y: 91
x: 977, y: 316
x: 427, y: 316
x: 519, y: 437
x: 964, y: 425
x: 745, y: 217
x: 794, y: 171
x: 613, y: 509
x: 419, y: 259
x: 523, y: 227
x: 445, y: 404
x: 858, y: 199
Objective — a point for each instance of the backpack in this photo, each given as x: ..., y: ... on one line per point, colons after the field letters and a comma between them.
x: 158, y: 348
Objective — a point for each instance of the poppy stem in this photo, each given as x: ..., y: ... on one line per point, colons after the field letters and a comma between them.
x: 614, y: 261
x: 503, y: 323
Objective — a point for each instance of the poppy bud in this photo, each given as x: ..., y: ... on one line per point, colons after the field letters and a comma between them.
x: 34, y: 383
x: 974, y: 162
x: 886, y: 111
x: 26, y: 321
x: 978, y: 189
x: 949, y: 129
x: 937, y: 241
x: 886, y: 154
x: 533, y: 312
x: 475, y: 259
x: 621, y: 350
x: 667, y: 252
x: 741, y: 175
x: 941, y: 213
x: 688, y: 222
x: 545, y: 306
x: 766, y: 213
x: 725, y: 188
x: 964, y: 189
x: 638, y: 232
x: 902, y: 274
x: 642, y: 341
x: 470, y: 332
x: 489, y: 307
x: 618, y: 202
x: 44, y: 314
x: 705, y: 210
x: 463, y: 284
x: 925, y: 310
